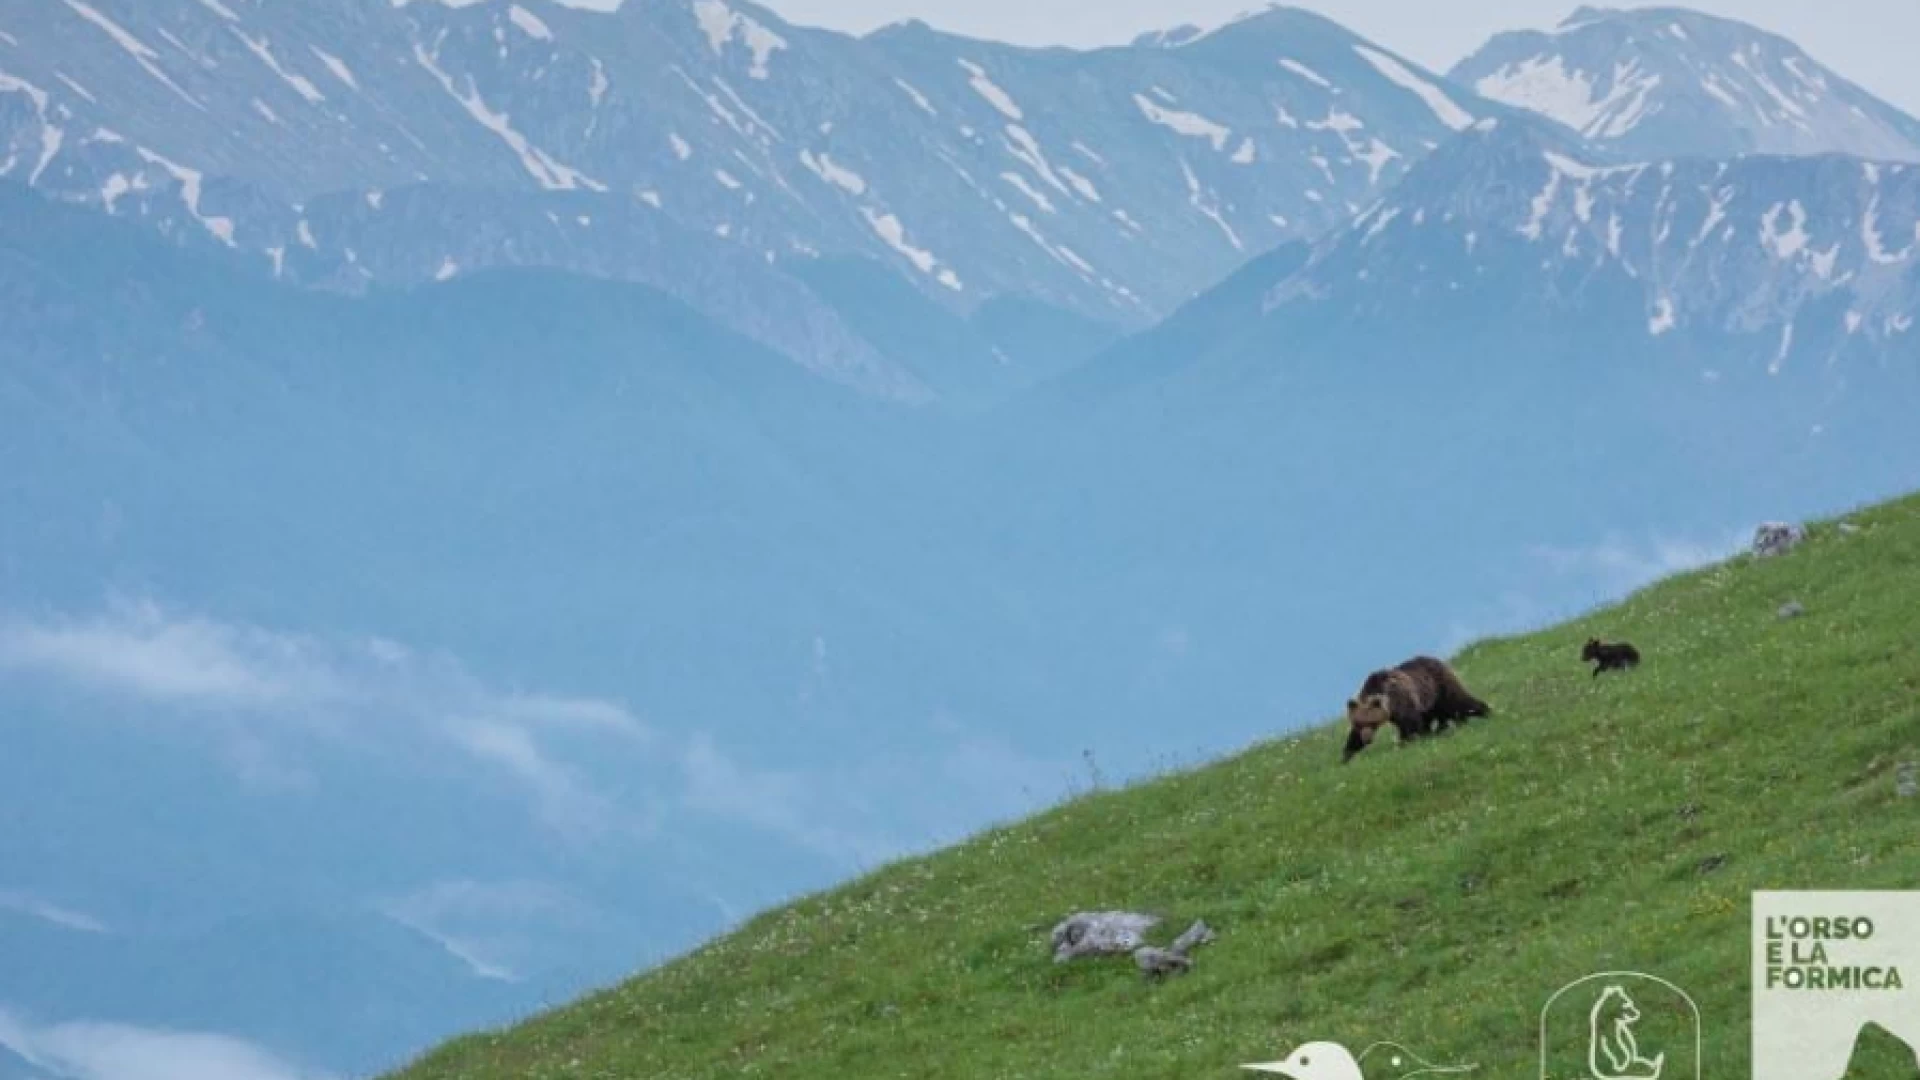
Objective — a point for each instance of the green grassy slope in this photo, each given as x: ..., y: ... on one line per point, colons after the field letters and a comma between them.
x: 1434, y: 895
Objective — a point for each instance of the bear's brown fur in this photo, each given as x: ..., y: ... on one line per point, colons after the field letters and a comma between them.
x: 1418, y: 697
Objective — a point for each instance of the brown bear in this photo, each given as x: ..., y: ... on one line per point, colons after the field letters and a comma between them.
x: 1418, y: 697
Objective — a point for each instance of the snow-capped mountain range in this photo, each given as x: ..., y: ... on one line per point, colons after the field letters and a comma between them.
x: 1655, y: 83
x: 1824, y: 247
x: 714, y: 151
x: 702, y: 145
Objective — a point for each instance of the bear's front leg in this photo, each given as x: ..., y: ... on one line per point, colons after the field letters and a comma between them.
x: 1355, y: 744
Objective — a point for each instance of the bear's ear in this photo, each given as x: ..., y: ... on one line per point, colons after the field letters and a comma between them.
x: 1352, y: 704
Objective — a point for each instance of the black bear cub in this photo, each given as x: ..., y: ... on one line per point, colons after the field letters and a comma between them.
x: 1610, y: 657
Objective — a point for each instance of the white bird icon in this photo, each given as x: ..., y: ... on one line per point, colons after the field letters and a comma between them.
x: 1314, y: 1061
x: 1331, y: 1061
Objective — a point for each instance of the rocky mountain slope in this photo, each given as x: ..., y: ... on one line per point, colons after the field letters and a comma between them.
x: 1795, y: 262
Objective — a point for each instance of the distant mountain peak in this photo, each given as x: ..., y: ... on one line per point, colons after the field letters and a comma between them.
x: 1669, y: 82
x: 1170, y: 38
x: 1587, y: 13
x: 902, y: 26
x: 1266, y: 19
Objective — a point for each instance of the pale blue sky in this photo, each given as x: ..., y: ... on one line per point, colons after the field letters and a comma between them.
x: 1876, y: 43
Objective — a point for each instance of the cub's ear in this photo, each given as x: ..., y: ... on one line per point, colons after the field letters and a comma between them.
x: 1352, y: 704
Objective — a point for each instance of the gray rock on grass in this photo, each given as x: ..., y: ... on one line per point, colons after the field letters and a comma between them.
x: 1777, y: 538
x: 1159, y: 963
x: 1100, y: 933
x: 1112, y: 933
x: 1175, y: 959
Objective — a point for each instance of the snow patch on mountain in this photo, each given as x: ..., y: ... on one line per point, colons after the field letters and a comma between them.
x: 1065, y: 255
x: 70, y: 83
x: 889, y: 229
x: 115, y: 186
x: 1784, y: 243
x: 1192, y: 125
x: 1663, y: 318
x: 529, y: 23
x: 52, y: 137
x: 336, y: 66
x: 823, y: 166
x: 1208, y: 204
x: 1786, y: 347
x: 1305, y: 72
x: 1019, y: 183
x: 724, y: 26
x: 1081, y: 184
x: 1541, y: 206
x: 190, y: 181
x: 550, y: 173
x: 1542, y: 84
x: 1024, y: 147
x: 991, y: 92
x: 597, y: 88
x: 1873, y: 238
x: 301, y: 84
x: 919, y: 99
x: 142, y: 53
x: 1432, y: 96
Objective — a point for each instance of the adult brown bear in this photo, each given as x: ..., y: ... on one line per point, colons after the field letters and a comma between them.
x: 1418, y: 697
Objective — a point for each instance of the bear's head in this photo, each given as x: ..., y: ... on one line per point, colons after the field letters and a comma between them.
x: 1366, y: 715
x: 1614, y: 1003
x: 1591, y: 650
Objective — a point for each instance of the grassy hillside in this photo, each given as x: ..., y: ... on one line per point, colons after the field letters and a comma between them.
x: 1434, y: 895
